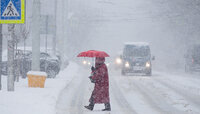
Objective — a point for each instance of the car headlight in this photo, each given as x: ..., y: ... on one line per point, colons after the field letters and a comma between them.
x: 107, y: 64
x: 118, y: 61
x: 148, y: 64
x: 84, y: 62
x: 127, y: 64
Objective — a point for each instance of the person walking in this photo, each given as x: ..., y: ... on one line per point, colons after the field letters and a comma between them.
x: 100, y: 78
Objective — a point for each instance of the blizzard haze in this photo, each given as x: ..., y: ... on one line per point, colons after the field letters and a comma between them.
x: 136, y: 85
x: 169, y: 27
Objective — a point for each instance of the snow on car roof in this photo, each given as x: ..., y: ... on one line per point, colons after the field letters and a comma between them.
x: 28, y: 49
x: 137, y: 43
x: 42, y: 49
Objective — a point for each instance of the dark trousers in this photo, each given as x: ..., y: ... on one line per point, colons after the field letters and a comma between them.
x: 107, y: 105
x: 91, y: 101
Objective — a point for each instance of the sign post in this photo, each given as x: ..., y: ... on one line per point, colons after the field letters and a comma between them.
x: 10, y: 63
x: 11, y: 12
x: 1, y: 46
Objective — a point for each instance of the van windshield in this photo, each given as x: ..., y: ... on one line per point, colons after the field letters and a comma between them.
x: 135, y: 51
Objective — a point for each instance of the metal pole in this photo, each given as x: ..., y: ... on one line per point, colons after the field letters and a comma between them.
x: 17, y: 66
x: 23, y: 60
x: 62, y: 39
x: 47, y: 21
x: 1, y: 45
x: 36, y: 36
x: 55, y: 24
x: 10, y: 79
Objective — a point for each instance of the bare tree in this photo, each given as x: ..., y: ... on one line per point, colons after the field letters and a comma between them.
x: 22, y: 35
x: 24, y: 30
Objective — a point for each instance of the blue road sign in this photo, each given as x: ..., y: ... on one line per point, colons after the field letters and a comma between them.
x: 12, y: 11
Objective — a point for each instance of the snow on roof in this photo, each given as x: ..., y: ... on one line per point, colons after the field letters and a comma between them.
x: 137, y: 43
x: 42, y: 49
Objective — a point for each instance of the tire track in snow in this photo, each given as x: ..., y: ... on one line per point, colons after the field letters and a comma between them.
x: 191, y: 78
x: 78, y: 96
x: 156, y: 101
x: 124, y: 105
x: 195, y: 99
x: 60, y: 106
x: 71, y: 98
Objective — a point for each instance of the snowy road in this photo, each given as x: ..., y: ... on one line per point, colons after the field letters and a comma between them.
x: 172, y: 93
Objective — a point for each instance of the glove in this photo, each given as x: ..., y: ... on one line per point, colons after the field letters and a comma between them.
x: 90, y: 77
x: 93, y: 81
x: 92, y: 68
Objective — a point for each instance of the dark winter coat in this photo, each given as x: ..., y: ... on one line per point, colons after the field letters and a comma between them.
x: 100, y: 93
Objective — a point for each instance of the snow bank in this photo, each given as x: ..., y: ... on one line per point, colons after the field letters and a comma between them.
x: 25, y: 100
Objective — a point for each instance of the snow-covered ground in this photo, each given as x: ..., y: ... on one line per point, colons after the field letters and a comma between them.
x: 105, y: 25
x: 68, y: 93
x: 25, y: 100
x: 162, y: 93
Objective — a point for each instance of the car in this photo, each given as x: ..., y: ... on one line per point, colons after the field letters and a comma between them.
x: 85, y: 62
x: 48, y: 64
x: 117, y: 61
x: 89, y: 62
x: 192, y: 58
x: 136, y: 58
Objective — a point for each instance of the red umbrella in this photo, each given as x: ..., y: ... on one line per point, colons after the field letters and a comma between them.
x: 93, y: 53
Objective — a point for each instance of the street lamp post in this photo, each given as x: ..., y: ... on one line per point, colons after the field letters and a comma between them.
x: 36, y: 36
x: 10, y: 79
x: 55, y: 29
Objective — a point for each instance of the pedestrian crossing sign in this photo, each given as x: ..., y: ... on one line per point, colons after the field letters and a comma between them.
x: 12, y: 11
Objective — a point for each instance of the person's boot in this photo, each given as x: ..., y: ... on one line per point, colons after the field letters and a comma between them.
x: 107, y: 107
x: 90, y: 107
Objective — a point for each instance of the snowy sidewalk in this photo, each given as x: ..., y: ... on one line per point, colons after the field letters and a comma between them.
x: 26, y: 100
